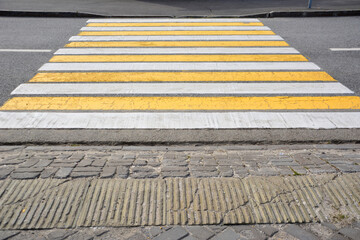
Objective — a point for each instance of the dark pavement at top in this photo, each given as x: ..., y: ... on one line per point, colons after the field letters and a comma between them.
x: 174, y: 7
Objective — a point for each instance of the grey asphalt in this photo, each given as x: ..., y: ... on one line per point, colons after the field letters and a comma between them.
x: 174, y: 7
x: 311, y: 36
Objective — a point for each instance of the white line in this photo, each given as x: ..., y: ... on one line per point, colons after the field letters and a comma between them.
x: 202, y: 50
x: 175, y: 20
x: 179, y: 66
x: 181, y: 88
x: 180, y: 120
x: 204, y: 28
x: 344, y: 49
x: 179, y: 38
x: 25, y: 50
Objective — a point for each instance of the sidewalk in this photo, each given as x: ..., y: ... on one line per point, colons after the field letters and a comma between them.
x: 175, y: 8
x: 180, y: 192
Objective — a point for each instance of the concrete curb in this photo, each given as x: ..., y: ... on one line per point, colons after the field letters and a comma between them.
x: 272, y: 14
x: 172, y: 136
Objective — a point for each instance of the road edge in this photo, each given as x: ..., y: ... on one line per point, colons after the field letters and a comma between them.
x: 272, y: 14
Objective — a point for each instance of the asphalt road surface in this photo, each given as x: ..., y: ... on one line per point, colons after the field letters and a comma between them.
x: 312, y: 37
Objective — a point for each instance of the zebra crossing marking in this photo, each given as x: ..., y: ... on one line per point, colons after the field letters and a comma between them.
x: 180, y: 74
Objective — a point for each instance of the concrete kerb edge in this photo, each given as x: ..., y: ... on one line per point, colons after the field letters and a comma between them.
x: 272, y: 14
x: 174, y: 136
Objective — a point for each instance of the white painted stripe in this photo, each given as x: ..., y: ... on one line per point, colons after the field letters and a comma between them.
x: 181, y: 88
x: 345, y: 49
x: 175, y: 20
x: 179, y: 120
x: 203, y: 28
x: 179, y: 38
x: 178, y: 50
x: 179, y: 66
x: 26, y: 50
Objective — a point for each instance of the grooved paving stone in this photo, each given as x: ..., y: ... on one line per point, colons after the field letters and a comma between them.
x: 350, y: 233
x: 299, y: 233
x: 228, y: 234
x: 201, y: 233
x: 173, y: 234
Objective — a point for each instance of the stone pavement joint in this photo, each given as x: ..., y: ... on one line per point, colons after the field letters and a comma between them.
x: 89, y: 202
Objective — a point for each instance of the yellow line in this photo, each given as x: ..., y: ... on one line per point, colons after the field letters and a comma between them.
x: 178, y: 44
x: 180, y: 76
x: 157, y: 33
x: 181, y: 103
x: 173, y: 24
x: 177, y: 58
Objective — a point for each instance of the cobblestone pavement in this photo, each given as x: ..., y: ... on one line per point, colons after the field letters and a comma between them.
x: 179, y: 161
x: 244, y: 232
x: 68, y: 164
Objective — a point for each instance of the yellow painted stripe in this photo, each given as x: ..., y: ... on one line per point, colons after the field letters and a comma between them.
x: 181, y: 103
x: 177, y: 58
x: 158, y: 33
x: 174, y: 24
x: 178, y: 44
x: 180, y: 76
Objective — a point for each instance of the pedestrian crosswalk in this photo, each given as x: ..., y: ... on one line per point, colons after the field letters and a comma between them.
x: 158, y: 73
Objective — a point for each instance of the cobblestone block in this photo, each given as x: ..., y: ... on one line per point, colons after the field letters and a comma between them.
x: 87, y: 169
x: 140, y: 162
x: 122, y: 170
x: 154, y: 231
x: 201, y: 233
x: 154, y: 163
x: 298, y: 232
x: 348, y: 168
x: 129, y: 156
x: 175, y: 174
x: 229, y: 173
x: 351, y: 233
x: 203, y: 174
x: 285, y: 171
x: 173, y: 234
x: 8, y: 234
x: 29, y: 163
x: 63, y: 164
x: 119, y: 162
x: 337, y: 236
x: 174, y: 168
x: 43, y: 163
x: 84, y: 174
x: 48, y: 172
x: 144, y: 175
x: 108, y: 172
x: 63, y: 172
x: 319, y: 170
x: 5, y: 171
x: 137, y: 236
x: 142, y: 169
x: 98, y: 163
x: 30, y: 169
x: 85, y: 162
x: 25, y: 175
x: 60, y: 234
x: 269, y: 231
x: 298, y: 170
x: 203, y: 168
x: 228, y: 234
